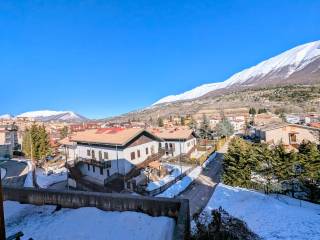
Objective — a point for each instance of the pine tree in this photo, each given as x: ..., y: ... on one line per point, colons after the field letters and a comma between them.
x: 267, y: 162
x: 160, y: 122
x: 64, y: 132
x: 238, y: 163
x: 252, y: 111
x: 183, y: 122
x: 36, y: 144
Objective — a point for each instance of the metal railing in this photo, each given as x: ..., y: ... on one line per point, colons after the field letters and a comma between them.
x: 99, y: 163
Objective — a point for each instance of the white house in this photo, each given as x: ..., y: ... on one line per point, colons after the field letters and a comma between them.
x: 176, y: 141
x: 8, y: 141
x: 100, y: 153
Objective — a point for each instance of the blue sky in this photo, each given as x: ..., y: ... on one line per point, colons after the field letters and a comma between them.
x: 103, y: 58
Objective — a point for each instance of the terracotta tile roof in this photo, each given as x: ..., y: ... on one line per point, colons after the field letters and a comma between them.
x: 66, y: 141
x: 112, y: 136
x: 171, y: 133
x: 315, y: 124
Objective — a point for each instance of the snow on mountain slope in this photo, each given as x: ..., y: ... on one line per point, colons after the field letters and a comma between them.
x: 5, y: 116
x: 48, y: 115
x: 292, y: 61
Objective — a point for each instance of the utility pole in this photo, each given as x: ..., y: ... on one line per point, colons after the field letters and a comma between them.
x: 2, y: 225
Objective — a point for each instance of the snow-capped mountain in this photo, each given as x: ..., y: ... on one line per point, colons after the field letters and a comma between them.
x: 297, y: 65
x: 6, y: 116
x: 48, y: 115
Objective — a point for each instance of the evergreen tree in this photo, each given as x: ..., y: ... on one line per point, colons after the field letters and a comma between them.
x: 36, y: 144
x: 64, y: 132
x: 238, y: 163
x: 252, y: 111
x: 262, y: 110
x: 205, y: 123
x: 224, y: 128
x: 182, y: 120
x: 160, y: 122
x: 266, y: 164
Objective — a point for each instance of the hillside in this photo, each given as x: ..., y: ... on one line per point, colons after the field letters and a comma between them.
x: 299, y: 65
x: 292, y: 98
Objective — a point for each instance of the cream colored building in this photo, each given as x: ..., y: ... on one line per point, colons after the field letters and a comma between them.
x: 288, y: 134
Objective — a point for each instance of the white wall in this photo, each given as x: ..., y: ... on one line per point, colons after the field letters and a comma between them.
x: 185, y: 146
x: 142, y: 148
x: 124, y: 163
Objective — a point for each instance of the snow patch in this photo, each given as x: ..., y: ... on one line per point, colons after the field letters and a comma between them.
x: 173, y: 175
x: 269, y: 216
x: 3, y: 172
x: 42, y: 222
x: 45, y: 180
x: 181, y: 185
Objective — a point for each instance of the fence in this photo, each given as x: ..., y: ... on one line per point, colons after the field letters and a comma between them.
x: 174, y: 208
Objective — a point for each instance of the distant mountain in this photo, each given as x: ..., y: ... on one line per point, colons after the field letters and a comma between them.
x: 299, y: 65
x: 6, y: 116
x: 48, y: 115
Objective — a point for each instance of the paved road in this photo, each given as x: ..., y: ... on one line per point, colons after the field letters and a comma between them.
x: 16, y: 173
x: 201, y: 190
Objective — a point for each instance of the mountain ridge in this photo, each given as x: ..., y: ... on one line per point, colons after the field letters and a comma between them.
x: 49, y: 115
x: 274, y: 70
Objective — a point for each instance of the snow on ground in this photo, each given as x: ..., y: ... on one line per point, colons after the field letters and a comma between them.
x: 176, y: 171
x: 181, y: 185
x: 269, y: 216
x: 3, y: 172
x: 28, y: 181
x: 44, y: 180
x: 42, y: 222
x: 209, y: 160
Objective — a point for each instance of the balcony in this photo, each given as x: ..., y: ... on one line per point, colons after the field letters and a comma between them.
x: 98, y: 163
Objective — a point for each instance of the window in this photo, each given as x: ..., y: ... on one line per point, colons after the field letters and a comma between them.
x: 105, y: 155
x: 152, y: 149
x: 292, y: 138
x: 107, y: 164
x: 101, y: 171
x: 147, y: 151
x: 93, y: 154
x: 88, y: 167
x: 138, y: 153
x: 108, y: 172
x: 133, y: 155
x: 93, y: 168
x: 100, y: 155
x: 88, y: 152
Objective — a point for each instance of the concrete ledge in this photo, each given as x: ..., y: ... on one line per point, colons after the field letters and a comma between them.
x: 174, y: 208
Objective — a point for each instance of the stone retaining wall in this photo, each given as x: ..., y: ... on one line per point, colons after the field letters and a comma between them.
x: 175, y: 208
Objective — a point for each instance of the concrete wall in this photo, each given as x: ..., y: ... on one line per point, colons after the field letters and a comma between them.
x: 175, y: 208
